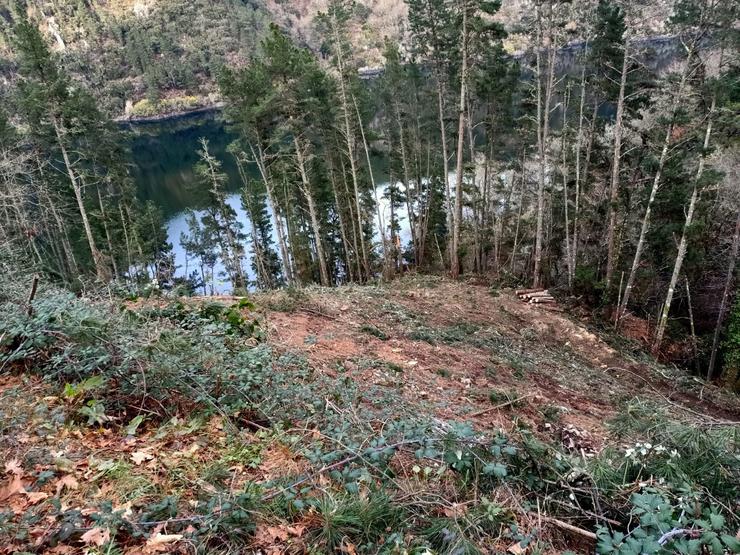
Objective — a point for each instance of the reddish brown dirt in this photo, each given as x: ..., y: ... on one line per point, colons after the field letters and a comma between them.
x: 456, y: 377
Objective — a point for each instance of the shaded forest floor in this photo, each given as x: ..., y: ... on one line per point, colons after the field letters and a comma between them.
x: 421, y: 349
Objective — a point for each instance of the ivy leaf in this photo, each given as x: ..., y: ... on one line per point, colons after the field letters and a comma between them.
x: 497, y: 469
x: 733, y: 544
x: 717, y: 521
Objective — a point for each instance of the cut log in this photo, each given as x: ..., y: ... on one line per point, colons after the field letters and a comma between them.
x: 520, y: 292
x: 541, y: 300
x: 544, y: 293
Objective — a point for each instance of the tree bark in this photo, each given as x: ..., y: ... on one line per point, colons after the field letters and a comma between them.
x: 614, y: 184
x: 457, y: 218
x: 349, y: 139
x: 654, y: 190
x: 543, y: 130
x: 306, y: 189
x: 711, y: 372
x: 259, y: 157
x: 683, y: 244
x: 98, y: 262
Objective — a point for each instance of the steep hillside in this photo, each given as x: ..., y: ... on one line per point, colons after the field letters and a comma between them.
x: 147, y: 57
x: 165, y: 52
x: 424, y: 416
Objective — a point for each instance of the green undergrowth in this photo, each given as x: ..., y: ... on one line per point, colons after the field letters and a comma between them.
x: 382, y: 474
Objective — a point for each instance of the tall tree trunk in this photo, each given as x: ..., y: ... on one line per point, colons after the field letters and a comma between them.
x: 579, y: 145
x: 614, y: 184
x: 407, y: 186
x: 259, y: 156
x: 233, y: 252
x: 457, y: 219
x: 678, y: 97
x: 98, y: 261
x: 381, y: 223
x: 566, y: 199
x: 445, y: 161
x: 109, y: 240
x: 350, y: 140
x: 355, y: 231
x: 682, y: 246
x: 340, y: 214
x: 265, y: 279
x: 712, y: 371
x: 312, y: 211
x: 543, y: 131
x: 124, y: 227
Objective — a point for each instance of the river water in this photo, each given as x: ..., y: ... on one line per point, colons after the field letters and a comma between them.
x: 164, y: 155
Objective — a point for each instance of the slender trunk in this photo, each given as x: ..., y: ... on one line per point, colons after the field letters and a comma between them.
x: 712, y: 372
x: 381, y: 223
x: 355, y: 232
x: 518, y: 220
x: 264, y: 278
x: 406, y: 185
x: 543, y: 129
x: 98, y: 262
x: 340, y: 215
x: 124, y: 227
x: 349, y: 139
x: 306, y: 189
x: 694, y: 343
x: 614, y: 185
x: 457, y: 219
x: 654, y: 190
x: 259, y: 157
x: 104, y: 218
x: 683, y: 244
x: 445, y: 160
x: 566, y: 200
x: 579, y: 145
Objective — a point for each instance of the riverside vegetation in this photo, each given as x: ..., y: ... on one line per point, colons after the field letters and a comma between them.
x: 373, y: 385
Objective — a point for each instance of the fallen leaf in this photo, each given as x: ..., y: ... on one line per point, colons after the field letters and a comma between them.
x: 296, y: 530
x: 14, y: 485
x: 35, y: 496
x: 69, y: 482
x: 161, y: 539
x: 13, y: 466
x: 516, y: 549
x: 159, y: 543
x: 96, y: 536
x: 277, y: 533
x: 139, y: 457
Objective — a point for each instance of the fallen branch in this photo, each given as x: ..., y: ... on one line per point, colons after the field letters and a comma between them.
x: 502, y: 405
x: 566, y: 526
x: 677, y: 532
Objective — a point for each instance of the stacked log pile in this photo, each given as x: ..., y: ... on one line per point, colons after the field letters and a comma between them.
x: 537, y: 296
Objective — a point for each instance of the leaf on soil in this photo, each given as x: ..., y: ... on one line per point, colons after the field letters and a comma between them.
x: 14, y: 485
x: 139, y: 457
x: 96, y: 536
x: 35, y: 496
x: 160, y: 543
x: 13, y: 466
x: 516, y: 549
x: 69, y: 482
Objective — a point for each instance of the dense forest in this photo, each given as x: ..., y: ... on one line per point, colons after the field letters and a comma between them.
x: 561, y: 146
